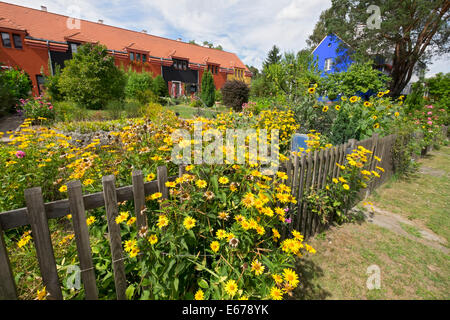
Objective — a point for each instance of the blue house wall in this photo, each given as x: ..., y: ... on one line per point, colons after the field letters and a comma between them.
x: 332, y: 47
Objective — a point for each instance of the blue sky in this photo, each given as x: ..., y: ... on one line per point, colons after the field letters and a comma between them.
x: 247, y: 27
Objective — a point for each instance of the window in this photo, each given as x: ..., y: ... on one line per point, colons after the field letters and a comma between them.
x: 328, y: 64
x: 217, y: 69
x: 74, y: 47
x: 131, y: 56
x: 40, y: 83
x: 6, y: 40
x: 138, y: 57
x: 17, y: 41
x: 144, y: 57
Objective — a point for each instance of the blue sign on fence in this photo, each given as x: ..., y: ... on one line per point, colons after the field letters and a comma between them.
x: 298, y: 141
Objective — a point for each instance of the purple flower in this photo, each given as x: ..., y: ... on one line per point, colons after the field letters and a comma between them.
x: 286, y: 209
x: 289, y: 220
x: 20, y: 154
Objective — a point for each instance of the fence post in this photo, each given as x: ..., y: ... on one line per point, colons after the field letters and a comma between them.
x: 42, y: 241
x: 162, y: 179
x: 8, y: 289
x: 115, y: 240
x: 80, y: 228
x: 139, y: 199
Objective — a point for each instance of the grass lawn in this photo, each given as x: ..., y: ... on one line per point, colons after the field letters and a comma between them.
x: 410, y: 269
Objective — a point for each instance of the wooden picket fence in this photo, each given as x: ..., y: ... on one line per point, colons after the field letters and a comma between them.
x: 312, y: 170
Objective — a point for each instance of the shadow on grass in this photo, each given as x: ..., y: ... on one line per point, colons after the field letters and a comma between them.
x: 308, y: 288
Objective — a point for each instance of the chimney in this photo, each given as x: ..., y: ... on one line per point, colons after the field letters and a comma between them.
x: 144, y: 31
x: 100, y: 21
x: 44, y: 8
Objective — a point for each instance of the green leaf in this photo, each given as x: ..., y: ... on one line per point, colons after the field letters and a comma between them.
x: 202, y: 283
x: 130, y: 292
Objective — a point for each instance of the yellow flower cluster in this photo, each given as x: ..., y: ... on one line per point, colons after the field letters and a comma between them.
x: 24, y: 239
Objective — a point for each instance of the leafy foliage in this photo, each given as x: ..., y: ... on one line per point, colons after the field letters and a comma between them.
x: 91, y: 78
x: 160, y: 87
x: 15, y: 84
x: 137, y: 84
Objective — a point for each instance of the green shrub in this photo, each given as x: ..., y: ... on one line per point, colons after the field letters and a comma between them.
x: 132, y: 109
x: 137, y: 84
x: 52, y: 89
x: 15, y: 84
x: 218, y: 95
x: 160, y: 87
x: 91, y: 78
x: 38, y: 109
x: 68, y: 111
x: 235, y: 93
x: 208, y: 89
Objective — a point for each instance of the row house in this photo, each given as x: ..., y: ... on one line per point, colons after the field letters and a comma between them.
x: 36, y: 41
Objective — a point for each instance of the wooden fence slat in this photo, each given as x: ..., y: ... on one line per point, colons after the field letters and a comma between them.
x: 162, y: 179
x: 315, y: 165
x: 300, y: 193
x: 8, y: 290
x: 139, y: 199
x: 43, y: 242
x: 315, y: 182
x: 81, y: 230
x: 115, y: 240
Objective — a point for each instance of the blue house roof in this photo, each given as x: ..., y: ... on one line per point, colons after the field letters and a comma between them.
x: 334, y: 48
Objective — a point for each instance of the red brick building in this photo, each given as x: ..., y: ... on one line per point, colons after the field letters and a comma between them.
x: 30, y: 38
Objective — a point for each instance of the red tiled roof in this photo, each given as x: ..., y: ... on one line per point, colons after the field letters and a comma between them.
x: 50, y: 26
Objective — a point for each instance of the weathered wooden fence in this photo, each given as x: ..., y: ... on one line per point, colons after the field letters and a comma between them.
x: 312, y: 170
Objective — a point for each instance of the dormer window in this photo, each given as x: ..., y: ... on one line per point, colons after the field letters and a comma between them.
x: 180, y: 64
x: 17, y: 41
x: 74, y: 47
x: 6, y: 40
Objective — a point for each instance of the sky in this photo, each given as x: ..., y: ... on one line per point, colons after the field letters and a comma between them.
x: 248, y: 28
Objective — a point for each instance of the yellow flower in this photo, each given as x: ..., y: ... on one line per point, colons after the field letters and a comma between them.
x: 123, y: 216
x: 129, y: 245
x: 153, y: 239
x: 335, y: 180
x: 88, y: 182
x: 221, y: 234
x: 337, y: 107
x: 223, y: 180
x: 131, y: 221
x: 231, y: 287
x: 346, y: 186
x: 189, y: 222
x: 163, y: 221
x: 291, y: 277
x: 201, y: 184
x: 276, y: 293
x: 343, y: 98
x: 325, y: 109
x: 134, y: 252
x: 257, y: 267
x: 353, y: 99
x: 312, y: 90
x: 278, y: 279
x: 63, y: 189
x: 396, y: 114
x: 380, y: 94
x: 171, y: 184
x: 189, y: 167
x: 156, y: 195
x: 215, y: 245
x: 41, y: 294
x: 376, y: 125
x: 199, y: 295
x: 150, y: 177
x: 90, y: 220
x: 282, y: 175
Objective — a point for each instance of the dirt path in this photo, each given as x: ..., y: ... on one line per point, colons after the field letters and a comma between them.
x: 393, y: 223
x: 9, y: 123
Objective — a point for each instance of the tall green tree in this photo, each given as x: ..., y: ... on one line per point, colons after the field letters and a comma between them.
x: 273, y: 57
x: 208, y: 93
x: 405, y: 32
x: 91, y: 78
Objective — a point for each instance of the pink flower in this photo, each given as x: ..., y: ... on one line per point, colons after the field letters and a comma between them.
x: 50, y: 108
x: 288, y: 220
x: 430, y: 107
x: 430, y: 122
x: 20, y: 154
x: 430, y: 112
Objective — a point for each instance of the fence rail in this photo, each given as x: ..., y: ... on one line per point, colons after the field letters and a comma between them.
x: 313, y: 170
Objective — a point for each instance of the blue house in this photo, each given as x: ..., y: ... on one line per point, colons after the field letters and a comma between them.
x: 333, y: 55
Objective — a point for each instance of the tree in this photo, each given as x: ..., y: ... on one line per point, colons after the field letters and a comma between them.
x: 409, y: 32
x: 439, y: 88
x: 359, y: 78
x: 208, y: 89
x: 253, y: 70
x: 137, y: 82
x: 273, y: 57
x: 15, y: 84
x: 234, y: 94
x: 91, y: 78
